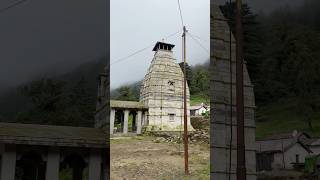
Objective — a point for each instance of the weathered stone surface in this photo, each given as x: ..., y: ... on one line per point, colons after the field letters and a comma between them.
x: 66, y: 136
x: 222, y: 81
x: 102, y: 114
x: 127, y: 105
x: 162, y: 93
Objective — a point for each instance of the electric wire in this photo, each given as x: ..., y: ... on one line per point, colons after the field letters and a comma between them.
x: 16, y: 3
x: 199, y: 43
x: 141, y: 50
x: 198, y: 37
x: 180, y: 13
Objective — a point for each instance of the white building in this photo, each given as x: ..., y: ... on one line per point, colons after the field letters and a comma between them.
x: 198, y: 110
x: 283, y: 151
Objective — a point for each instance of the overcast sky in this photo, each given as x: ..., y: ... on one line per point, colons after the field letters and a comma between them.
x: 43, y: 36
x: 141, y: 23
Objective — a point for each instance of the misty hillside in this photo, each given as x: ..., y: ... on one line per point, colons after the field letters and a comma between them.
x: 282, y: 54
x: 67, y: 99
x: 267, y: 6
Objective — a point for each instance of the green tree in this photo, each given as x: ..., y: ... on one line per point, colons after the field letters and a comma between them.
x: 48, y: 102
x: 189, y: 73
x: 82, y: 104
x: 125, y: 94
x: 201, y: 82
x: 253, y: 40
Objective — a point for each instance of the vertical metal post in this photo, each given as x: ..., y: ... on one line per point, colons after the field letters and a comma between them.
x: 241, y: 164
x: 186, y: 162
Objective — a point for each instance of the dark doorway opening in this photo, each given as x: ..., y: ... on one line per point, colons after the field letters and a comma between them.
x: 30, y: 167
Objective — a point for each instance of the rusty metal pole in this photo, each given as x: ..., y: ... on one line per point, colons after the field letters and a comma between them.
x: 186, y: 162
x: 241, y: 163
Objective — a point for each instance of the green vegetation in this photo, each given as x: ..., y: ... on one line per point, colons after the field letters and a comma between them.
x: 196, y: 99
x: 282, y: 54
x: 68, y: 99
x: 66, y: 174
x: 281, y: 117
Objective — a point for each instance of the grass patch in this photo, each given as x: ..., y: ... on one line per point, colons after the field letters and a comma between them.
x: 282, y: 117
x: 196, y: 99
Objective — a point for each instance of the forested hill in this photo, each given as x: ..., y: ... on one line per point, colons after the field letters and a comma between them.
x: 282, y: 51
x: 198, y: 82
x: 67, y: 99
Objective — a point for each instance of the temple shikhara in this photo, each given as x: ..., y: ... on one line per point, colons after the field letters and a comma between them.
x: 161, y: 98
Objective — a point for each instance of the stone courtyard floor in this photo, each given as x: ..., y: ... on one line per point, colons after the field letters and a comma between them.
x: 140, y: 158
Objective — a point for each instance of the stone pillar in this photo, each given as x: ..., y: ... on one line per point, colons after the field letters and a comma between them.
x: 125, y: 121
x: 94, y: 165
x: 139, y: 122
x: 53, y: 161
x: 143, y: 119
x: 134, y: 122
x: 112, y: 118
x: 8, y: 163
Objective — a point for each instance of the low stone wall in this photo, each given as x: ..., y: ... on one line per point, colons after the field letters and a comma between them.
x: 200, y: 122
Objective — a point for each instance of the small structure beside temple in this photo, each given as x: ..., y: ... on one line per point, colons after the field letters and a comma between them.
x: 119, y: 117
x: 199, y: 110
x: 161, y: 98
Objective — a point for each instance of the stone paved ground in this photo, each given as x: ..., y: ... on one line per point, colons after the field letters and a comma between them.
x: 140, y: 158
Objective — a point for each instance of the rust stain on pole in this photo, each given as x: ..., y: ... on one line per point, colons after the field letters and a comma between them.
x: 186, y: 162
x: 241, y: 164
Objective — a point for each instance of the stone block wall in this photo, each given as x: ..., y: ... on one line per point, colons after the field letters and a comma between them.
x: 221, y: 107
x: 163, y: 98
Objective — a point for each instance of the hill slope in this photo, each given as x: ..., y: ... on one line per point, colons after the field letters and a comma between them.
x: 80, y: 83
x: 282, y: 117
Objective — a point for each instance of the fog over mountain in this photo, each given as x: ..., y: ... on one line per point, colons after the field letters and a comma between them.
x: 49, y: 37
x: 266, y: 6
x: 52, y: 37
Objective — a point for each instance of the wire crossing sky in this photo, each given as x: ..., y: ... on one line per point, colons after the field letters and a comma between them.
x: 136, y: 25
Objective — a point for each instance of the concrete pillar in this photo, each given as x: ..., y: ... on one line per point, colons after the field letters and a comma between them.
x: 112, y: 119
x: 125, y: 121
x: 8, y: 163
x: 53, y: 161
x: 94, y: 165
x: 139, y: 122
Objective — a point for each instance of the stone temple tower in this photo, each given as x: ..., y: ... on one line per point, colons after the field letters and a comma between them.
x: 162, y: 91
